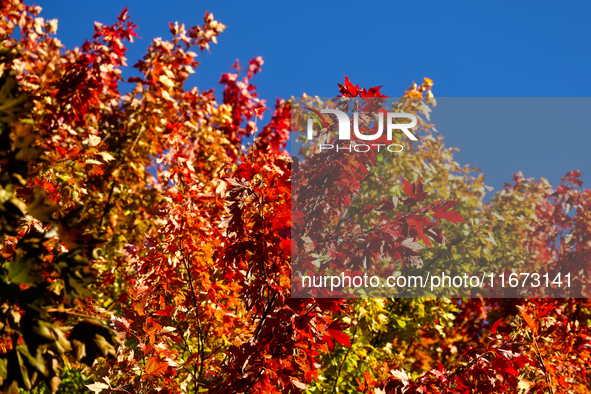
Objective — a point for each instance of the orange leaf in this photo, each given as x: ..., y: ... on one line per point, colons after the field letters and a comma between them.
x: 155, y: 366
x: 530, y: 322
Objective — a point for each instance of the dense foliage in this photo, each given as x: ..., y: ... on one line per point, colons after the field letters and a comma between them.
x: 145, y: 249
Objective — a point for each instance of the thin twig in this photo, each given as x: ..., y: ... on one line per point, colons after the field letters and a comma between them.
x: 254, y: 380
x: 200, y: 344
x: 264, y: 317
x: 337, y: 376
x: 539, y: 354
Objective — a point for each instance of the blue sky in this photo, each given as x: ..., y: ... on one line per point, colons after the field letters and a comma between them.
x: 469, y: 49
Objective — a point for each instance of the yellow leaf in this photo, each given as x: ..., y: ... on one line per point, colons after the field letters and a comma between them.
x: 524, y: 386
x: 106, y: 156
x: 166, y: 81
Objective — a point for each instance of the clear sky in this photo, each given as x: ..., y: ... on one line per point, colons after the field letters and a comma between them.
x: 469, y: 48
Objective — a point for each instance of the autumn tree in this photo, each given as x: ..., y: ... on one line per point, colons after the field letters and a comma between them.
x: 146, y: 246
x: 478, y: 344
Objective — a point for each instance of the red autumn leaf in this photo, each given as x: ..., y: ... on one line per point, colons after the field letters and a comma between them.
x: 335, y: 332
x: 452, y: 216
x: 367, y: 209
x: 494, y: 327
x: 414, y: 191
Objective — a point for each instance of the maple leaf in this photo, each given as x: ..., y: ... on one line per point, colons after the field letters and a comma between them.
x: 335, y: 332
x: 97, y: 387
x: 528, y: 320
x: 411, y: 244
x: 348, y: 89
x: 442, y: 211
x: 414, y: 192
x: 155, y: 367
x: 401, y: 375
x: 121, y: 324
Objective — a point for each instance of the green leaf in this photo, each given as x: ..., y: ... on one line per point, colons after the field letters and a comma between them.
x: 22, y: 271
